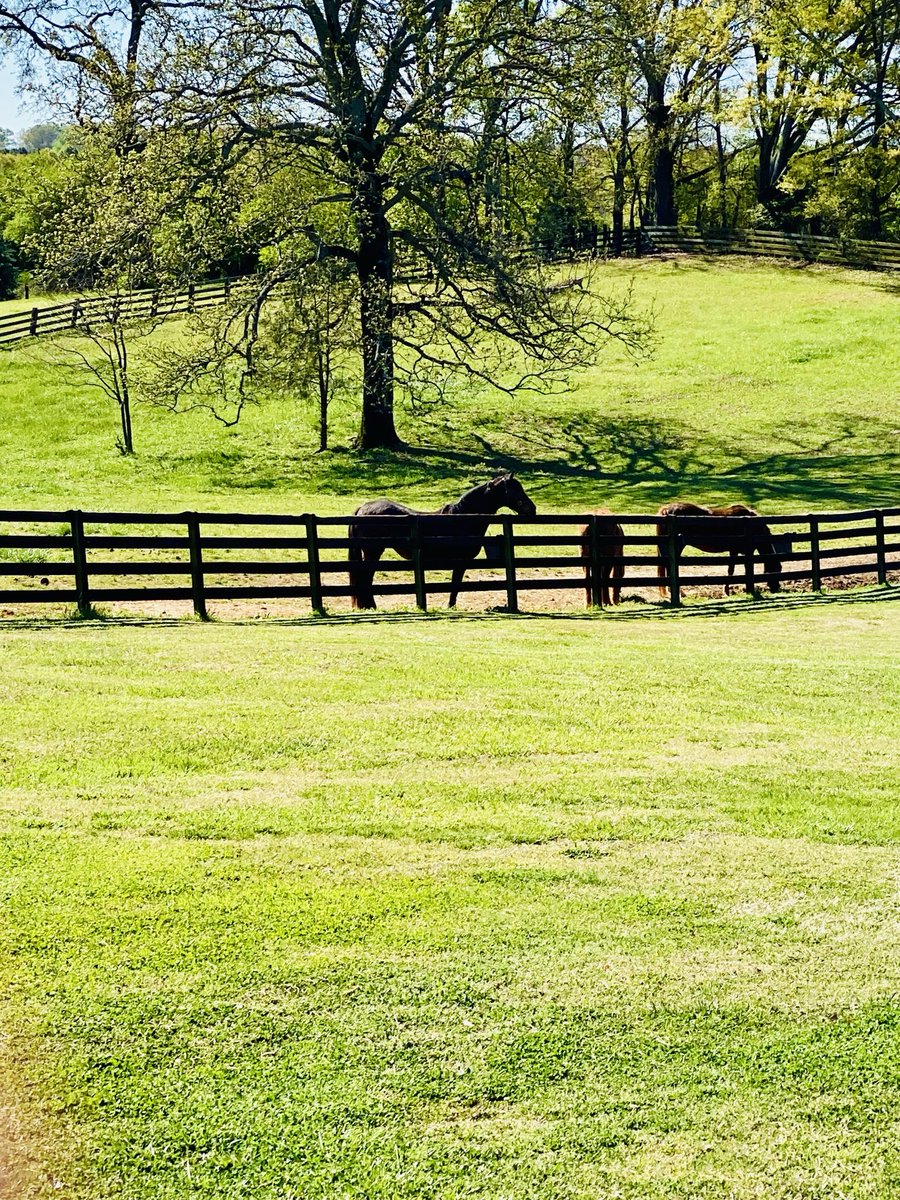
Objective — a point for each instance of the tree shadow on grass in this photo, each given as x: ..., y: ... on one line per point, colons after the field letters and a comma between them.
x: 577, y: 460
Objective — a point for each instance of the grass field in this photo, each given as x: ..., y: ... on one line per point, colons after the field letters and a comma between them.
x: 773, y: 384
x: 452, y: 908
x: 440, y: 908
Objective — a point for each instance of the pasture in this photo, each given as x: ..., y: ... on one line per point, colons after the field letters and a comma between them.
x: 771, y: 384
x: 445, y: 908
x: 437, y: 908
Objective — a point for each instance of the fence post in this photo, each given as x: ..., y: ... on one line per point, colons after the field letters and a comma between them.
x: 674, y: 581
x: 312, y: 560
x: 418, y: 572
x: 814, y: 559
x: 79, y: 557
x: 596, y: 566
x: 879, y: 547
x: 509, y: 562
x: 196, y: 552
x: 34, y: 322
x: 190, y: 303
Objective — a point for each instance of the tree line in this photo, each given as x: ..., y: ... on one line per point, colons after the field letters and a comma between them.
x: 392, y: 176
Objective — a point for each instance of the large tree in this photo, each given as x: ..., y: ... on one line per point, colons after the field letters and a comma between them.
x: 380, y: 104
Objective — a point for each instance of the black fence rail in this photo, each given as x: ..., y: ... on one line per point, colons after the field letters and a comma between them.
x: 131, y: 306
x: 88, y: 558
x: 772, y: 243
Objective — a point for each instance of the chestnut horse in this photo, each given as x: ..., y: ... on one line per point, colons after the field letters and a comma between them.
x: 714, y: 533
x: 612, y: 550
x: 450, y: 537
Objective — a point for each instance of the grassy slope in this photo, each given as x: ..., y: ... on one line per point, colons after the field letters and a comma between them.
x: 576, y: 910
x: 771, y: 383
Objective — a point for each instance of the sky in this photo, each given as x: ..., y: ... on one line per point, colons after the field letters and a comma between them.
x: 12, y: 115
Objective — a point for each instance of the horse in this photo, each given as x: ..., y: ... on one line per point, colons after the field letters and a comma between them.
x: 713, y: 533
x: 612, y: 550
x: 451, y: 537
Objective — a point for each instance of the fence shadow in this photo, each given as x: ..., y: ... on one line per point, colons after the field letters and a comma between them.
x: 629, y: 610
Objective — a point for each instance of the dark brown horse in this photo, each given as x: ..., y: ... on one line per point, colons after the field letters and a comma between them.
x: 714, y: 532
x: 612, y: 550
x: 450, y: 538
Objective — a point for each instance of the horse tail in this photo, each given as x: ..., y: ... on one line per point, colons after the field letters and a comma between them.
x: 662, y: 570
x: 359, y: 589
x: 354, y: 554
x: 585, y: 535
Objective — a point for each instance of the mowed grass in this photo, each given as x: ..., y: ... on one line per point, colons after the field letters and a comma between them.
x: 775, y: 384
x: 430, y: 907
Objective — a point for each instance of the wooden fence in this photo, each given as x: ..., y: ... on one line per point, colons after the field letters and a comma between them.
x: 772, y: 244
x: 62, y: 318
x: 132, y: 306
x: 187, y: 557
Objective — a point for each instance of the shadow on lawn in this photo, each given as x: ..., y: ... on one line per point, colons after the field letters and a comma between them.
x: 578, y: 459
x: 631, y: 609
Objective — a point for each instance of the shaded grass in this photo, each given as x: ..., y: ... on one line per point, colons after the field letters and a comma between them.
x: 582, y: 908
x: 770, y: 383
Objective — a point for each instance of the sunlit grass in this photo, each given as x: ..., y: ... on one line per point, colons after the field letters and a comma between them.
x: 770, y: 383
x: 452, y: 908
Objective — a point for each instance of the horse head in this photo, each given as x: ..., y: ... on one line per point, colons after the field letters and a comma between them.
x: 509, y: 493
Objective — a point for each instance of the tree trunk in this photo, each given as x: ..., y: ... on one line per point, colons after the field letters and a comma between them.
x: 618, y: 211
x: 661, y: 197
x: 375, y: 268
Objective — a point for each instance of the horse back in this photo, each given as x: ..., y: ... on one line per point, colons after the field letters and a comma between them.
x: 608, y: 528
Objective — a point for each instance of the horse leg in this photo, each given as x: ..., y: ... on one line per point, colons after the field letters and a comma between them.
x: 618, y: 571
x: 732, y: 563
x: 455, y: 584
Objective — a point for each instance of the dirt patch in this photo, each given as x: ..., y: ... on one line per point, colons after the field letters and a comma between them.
x: 18, y: 1172
x: 559, y: 590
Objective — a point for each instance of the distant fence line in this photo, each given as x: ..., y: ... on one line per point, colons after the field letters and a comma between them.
x: 812, y: 547
x: 848, y: 252
x: 147, y: 303
x: 685, y: 239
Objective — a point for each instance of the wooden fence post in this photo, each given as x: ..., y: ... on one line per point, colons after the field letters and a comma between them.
x: 34, y: 322
x: 190, y: 300
x: 196, y: 552
x: 880, y: 553
x: 814, y: 556
x: 79, y: 557
x: 509, y: 562
x: 418, y: 572
x: 674, y: 581
x: 312, y: 559
x: 596, y: 565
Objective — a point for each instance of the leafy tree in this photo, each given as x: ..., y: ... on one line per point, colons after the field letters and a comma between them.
x: 40, y: 137
x: 380, y: 105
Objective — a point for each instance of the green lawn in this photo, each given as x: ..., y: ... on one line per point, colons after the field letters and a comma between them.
x: 773, y: 384
x: 451, y: 908
x: 439, y: 908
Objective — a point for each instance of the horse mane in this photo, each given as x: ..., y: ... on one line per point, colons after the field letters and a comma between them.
x: 462, y: 505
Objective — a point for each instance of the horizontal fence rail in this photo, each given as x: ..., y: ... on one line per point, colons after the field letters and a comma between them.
x: 146, y: 304
x: 771, y: 243
x: 86, y: 558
